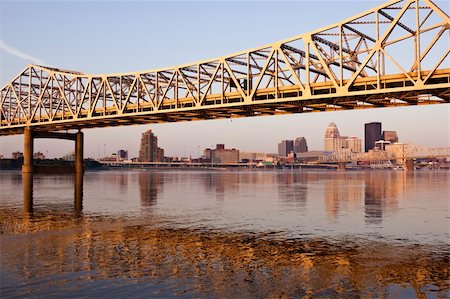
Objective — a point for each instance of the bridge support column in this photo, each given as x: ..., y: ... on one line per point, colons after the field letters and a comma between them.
x: 341, y: 166
x: 409, y: 164
x: 28, y: 148
x: 27, y: 188
x: 79, y: 149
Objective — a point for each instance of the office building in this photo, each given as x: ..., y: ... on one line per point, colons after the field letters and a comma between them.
x: 122, y: 155
x: 222, y: 155
x: 300, y: 145
x: 354, y: 144
x: 332, y: 138
x: 372, y: 133
x: 390, y: 136
x: 149, y: 150
x: 285, y: 147
x: 335, y: 142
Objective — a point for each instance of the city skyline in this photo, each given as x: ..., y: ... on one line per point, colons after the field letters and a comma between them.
x: 103, y: 153
x: 161, y: 49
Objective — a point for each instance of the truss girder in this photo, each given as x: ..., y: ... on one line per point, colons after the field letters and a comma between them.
x: 355, y: 64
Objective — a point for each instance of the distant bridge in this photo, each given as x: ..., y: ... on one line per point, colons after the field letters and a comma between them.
x: 402, y: 151
x: 396, y: 54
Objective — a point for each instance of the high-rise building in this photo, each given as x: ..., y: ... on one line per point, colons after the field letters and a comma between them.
x: 332, y: 138
x: 372, y: 133
x: 149, y: 150
x: 300, y: 145
x: 285, y: 147
x: 390, y: 136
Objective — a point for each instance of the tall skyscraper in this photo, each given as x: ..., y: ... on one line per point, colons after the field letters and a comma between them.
x: 300, y: 145
x: 372, y: 133
x: 149, y: 150
x: 285, y: 147
x: 332, y: 138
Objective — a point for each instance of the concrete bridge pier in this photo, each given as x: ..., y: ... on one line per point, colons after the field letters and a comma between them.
x: 28, y: 148
x: 79, y: 149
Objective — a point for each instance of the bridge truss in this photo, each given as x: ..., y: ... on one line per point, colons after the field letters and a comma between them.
x: 396, y: 54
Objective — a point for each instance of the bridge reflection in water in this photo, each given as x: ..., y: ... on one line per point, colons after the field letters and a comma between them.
x: 27, y: 189
x: 197, y: 233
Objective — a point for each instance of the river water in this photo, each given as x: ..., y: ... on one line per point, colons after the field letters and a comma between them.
x: 225, y: 233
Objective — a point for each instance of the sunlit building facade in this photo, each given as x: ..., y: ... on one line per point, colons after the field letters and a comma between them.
x: 149, y: 150
x: 354, y: 144
x: 335, y: 142
x: 332, y: 138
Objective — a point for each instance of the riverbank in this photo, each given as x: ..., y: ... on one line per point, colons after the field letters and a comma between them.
x: 49, y: 165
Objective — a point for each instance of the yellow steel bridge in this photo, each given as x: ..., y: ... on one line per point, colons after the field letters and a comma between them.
x: 396, y: 54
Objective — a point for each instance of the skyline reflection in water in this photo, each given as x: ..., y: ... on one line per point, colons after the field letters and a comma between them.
x: 225, y: 233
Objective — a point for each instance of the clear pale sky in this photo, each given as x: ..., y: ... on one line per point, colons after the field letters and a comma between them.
x: 126, y: 36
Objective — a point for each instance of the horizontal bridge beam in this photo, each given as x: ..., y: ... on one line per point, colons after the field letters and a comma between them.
x: 55, y: 135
